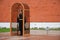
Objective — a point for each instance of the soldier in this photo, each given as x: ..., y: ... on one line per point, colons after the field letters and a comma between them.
x: 20, y: 22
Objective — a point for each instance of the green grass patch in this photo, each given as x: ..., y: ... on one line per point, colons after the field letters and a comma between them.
x: 41, y: 28
x: 35, y: 28
x: 13, y: 29
x: 4, y: 29
x: 54, y: 29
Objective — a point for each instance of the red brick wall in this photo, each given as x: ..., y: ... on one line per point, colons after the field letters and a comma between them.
x: 40, y: 10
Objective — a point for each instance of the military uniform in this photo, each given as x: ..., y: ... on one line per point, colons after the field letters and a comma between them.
x: 20, y: 22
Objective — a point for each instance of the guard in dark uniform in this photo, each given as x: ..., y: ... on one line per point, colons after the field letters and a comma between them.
x: 20, y: 22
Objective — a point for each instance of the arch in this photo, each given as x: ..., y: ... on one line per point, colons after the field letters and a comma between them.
x: 14, y: 10
x: 14, y: 14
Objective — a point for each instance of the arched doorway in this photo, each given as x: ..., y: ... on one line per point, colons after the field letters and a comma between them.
x: 22, y: 22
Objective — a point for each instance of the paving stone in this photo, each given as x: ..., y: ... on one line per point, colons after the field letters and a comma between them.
x: 34, y: 37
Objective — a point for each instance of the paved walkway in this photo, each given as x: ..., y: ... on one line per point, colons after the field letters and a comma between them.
x: 41, y: 37
x: 44, y: 32
x: 35, y: 35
